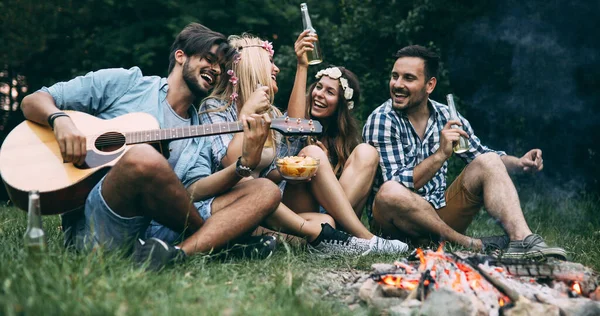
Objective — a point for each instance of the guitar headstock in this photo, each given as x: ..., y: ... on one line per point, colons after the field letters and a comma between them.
x: 296, y: 126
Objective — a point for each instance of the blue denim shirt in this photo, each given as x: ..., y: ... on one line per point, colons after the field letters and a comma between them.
x: 109, y: 93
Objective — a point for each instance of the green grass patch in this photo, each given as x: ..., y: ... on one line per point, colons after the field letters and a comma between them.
x: 62, y: 282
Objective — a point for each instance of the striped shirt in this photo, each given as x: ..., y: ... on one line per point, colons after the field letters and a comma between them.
x: 401, y: 149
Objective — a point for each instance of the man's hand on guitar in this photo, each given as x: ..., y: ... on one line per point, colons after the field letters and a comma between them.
x: 256, y: 131
x: 71, y: 141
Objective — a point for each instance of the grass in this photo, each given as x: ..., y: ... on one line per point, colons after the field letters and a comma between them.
x: 61, y: 282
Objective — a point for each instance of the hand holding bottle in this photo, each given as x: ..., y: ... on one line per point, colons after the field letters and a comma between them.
x: 461, y: 144
x: 303, y: 45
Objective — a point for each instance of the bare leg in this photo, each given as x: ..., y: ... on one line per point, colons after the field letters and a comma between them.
x: 304, y: 225
x: 142, y: 183
x: 234, y: 213
x: 327, y: 190
x: 487, y: 174
x: 358, y: 175
x: 399, y: 212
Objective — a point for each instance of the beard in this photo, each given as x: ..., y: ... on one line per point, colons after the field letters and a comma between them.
x: 191, y: 80
x: 415, y: 100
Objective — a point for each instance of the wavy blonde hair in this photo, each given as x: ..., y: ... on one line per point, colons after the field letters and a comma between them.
x: 252, y: 68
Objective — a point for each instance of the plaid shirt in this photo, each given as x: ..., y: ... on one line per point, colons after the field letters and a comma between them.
x: 401, y: 149
x: 220, y: 143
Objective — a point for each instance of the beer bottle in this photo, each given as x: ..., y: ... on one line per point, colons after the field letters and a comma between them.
x: 462, y: 144
x: 35, y: 239
x: 314, y: 56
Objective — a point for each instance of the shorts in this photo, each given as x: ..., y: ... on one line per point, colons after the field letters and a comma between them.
x: 98, y: 225
x: 461, y: 206
x: 165, y: 234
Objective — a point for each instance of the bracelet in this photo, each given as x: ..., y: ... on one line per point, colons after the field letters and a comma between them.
x: 54, y: 116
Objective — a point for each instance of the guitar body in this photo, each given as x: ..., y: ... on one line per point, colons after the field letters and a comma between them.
x: 30, y: 159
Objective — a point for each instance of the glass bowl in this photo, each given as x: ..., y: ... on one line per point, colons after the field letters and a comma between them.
x: 297, y: 168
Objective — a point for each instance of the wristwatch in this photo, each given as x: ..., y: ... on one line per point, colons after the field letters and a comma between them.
x: 242, y: 170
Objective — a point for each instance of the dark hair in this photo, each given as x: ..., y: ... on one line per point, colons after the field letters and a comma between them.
x: 342, y: 130
x: 197, y: 39
x: 430, y: 59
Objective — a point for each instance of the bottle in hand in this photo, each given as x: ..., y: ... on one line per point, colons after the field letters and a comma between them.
x: 35, y: 239
x: 314, y: 56
x: 462, y: 144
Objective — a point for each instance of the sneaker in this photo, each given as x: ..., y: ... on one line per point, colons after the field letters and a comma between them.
x: 533, y: 246
x: 494, y: 243
x: 387, y: 246
x: 156, y: 253
x: 334, y: 242
x: 259, y: 247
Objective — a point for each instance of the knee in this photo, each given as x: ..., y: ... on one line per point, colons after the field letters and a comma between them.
x: 393, y: 195
x: 364, y: 157
x: 315, y: 151
x: 488, y: 162
x: 269, y: 192
x: 143, y: 161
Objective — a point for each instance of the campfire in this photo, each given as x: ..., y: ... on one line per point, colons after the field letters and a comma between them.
x: 486, y: 285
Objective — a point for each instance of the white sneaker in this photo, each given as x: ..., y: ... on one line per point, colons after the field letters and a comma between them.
x: 386, y: 246
x: 334, y: 242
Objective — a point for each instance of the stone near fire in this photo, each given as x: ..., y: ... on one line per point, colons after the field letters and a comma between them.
x: 577, y: 306
x: 448, y: 303
x: 394, y: 291
x: 596, y: 294
x: 372, y: 293
x: 401, y: 311
x: 383, y: 268
x: 525, y: 307
x: 370, y: 289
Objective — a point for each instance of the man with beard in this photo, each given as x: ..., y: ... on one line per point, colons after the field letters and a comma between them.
x: 414, y: 137
x: 184, y: 201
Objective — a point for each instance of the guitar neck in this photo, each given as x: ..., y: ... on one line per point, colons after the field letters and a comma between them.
x: 168, y: 134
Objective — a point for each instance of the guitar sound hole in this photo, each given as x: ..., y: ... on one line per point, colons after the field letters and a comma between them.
x: 110, y: 141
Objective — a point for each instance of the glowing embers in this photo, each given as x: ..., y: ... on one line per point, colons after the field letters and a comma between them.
x: 494, y: 283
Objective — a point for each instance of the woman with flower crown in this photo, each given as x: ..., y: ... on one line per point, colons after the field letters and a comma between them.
x: 330, y: 100
x: 249, y: 87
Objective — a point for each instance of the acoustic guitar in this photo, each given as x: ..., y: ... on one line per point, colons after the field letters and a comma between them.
x: 30, y: 157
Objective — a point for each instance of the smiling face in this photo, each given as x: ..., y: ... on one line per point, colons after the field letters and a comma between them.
x: 409, y: 88
x: 274, y: 71
x: 325, y: 97
x: 201, y: 73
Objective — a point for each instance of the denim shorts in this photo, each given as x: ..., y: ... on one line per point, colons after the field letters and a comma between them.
x: 164, y: 233
x: 99, y: 225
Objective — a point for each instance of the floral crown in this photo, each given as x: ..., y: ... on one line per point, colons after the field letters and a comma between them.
x: 336, y: 73
x: 266, y: 45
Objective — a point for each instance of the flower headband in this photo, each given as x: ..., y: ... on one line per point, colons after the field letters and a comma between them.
x: 268, y: 46
x: 336, y: 73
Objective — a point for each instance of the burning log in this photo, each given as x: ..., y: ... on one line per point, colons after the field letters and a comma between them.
x: 506, y: 286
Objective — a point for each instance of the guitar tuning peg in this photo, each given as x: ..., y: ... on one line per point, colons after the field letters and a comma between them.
x: 289, y: 129
x: 287, y: 119
x: 310, y: 122
x: 312, y: 129
x: 299, y: 120
x: 301, y: 128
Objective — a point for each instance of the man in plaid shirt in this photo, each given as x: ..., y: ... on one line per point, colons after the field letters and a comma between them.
x: 414, y: 137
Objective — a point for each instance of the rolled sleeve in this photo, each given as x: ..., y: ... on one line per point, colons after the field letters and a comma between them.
x: 94, y: 92
x: 201, y: 168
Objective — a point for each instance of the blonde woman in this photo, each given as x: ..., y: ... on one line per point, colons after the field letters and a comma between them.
x: 249, y: 88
